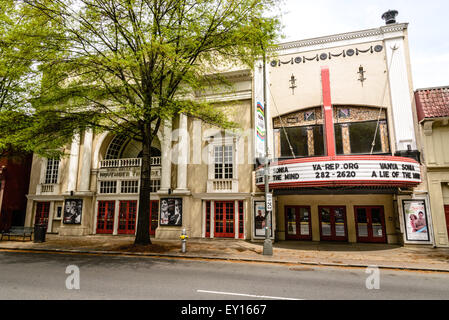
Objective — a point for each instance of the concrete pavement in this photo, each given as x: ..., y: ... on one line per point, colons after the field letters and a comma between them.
x: 285, y: 252
x: 44, y: 276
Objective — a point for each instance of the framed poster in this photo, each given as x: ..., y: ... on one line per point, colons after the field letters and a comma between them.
x: 73, y: 209
x: 416, y: 221
x: 171, y: 212
x: 260, y: 219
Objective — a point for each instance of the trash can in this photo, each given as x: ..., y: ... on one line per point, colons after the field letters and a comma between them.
x: 40, y: 230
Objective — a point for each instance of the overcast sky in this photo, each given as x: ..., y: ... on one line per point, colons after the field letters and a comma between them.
x: 428, y: 28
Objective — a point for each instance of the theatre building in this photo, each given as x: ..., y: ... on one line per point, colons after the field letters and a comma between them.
x: 200, y: 179
x: 342, y: 132
x: 342, y: 141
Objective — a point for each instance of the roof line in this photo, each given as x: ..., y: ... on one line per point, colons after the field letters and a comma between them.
x: 432, y: 88
x: 342, y: 36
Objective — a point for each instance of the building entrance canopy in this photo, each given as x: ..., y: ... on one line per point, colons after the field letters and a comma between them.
x: 384, y: 171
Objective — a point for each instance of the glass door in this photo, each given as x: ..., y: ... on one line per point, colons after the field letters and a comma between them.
x: 370, y: 224
x: 42, y: 213
x: 224, y: 219
x: 154, y: 221
x: 105, y: 217
x: 127, y: 217
x: 298, y: 223
x: 333, y: 223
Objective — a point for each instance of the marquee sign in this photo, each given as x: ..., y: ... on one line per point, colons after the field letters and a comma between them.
x: 354, y: 171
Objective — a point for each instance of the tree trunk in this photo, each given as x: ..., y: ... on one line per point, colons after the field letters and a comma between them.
x: 143, y: 222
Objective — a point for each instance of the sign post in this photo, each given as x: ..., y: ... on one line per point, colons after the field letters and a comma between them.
x: 267, y: 245
x: 269, y: 202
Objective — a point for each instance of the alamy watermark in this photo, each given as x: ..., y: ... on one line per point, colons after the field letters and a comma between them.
x: 373, y: 280
x: 73, y: 280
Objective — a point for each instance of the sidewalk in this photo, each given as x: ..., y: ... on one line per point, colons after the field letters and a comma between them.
x: 287, y: 252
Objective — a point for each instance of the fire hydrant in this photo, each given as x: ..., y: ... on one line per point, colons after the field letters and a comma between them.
x: 183, y: 238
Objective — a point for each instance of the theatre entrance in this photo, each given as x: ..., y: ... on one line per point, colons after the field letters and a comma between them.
x: 333, y: 223
x: 370, y: 224
x: 298, y: 223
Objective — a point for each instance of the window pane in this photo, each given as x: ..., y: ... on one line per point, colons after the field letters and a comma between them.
x: 223, y: 162
x: 318, y: 140
x: 338, y: 139
x: 362, y: 134
x: 298, y: 140
x: 51, y: 174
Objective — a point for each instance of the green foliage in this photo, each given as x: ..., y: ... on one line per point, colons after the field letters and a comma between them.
x: 27, y: 38
x: 128, y: 64
x: 123, y: 66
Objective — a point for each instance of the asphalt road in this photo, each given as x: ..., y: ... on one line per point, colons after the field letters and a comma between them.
x: 43, y: 276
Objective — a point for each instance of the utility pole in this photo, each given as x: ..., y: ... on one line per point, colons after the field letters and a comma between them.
x: 267, y: 245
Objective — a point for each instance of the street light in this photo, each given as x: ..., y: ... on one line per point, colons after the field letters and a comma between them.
x: 267, y: 245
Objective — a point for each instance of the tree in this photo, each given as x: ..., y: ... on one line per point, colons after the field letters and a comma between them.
x: 26, y: 37
x: 130, y: 64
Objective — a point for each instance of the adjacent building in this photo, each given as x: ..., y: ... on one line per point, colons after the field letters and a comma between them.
x: 433, y: 115
x: 14, y: 181
x: 342, y: 139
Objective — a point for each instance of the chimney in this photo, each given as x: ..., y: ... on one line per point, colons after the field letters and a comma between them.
x: 390, y: 16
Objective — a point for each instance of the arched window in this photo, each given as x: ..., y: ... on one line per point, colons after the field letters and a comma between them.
x: 123, y: 147
x: 115, y: 147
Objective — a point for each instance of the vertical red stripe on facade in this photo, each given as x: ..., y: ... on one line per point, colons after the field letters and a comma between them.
x: 327, y: 112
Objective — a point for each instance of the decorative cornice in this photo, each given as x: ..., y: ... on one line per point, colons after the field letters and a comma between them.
x: 327, y: 55
x: 343, y: 37
x: 234, y: 76
x: 231, y: 96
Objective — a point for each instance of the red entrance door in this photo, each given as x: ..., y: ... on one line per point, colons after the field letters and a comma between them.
x: 127, y: 217
x: 105, y: 217
x: 298, y: 223
x: 42, y: 212
x: 224, y: 219
x: 446, y: 210
x: 154, y: 210
x: 333, y: 223
x: 370, y: 224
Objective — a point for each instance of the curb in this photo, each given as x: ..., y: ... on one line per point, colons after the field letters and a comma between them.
x: 205, y: 257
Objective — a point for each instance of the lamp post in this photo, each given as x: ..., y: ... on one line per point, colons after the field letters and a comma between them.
x: 267, y: 245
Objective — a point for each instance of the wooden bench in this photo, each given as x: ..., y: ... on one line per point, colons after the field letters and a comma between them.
x: 25, y: 232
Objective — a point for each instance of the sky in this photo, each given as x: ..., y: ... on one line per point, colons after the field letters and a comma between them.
x: 428, y: 28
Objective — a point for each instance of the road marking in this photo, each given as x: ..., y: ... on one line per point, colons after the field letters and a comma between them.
x: 246, y: 295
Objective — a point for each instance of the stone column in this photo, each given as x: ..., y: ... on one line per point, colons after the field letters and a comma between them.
x: 166, y: 158
x: 73, y: 163
x: 183, y: 145
x: 86, y: 161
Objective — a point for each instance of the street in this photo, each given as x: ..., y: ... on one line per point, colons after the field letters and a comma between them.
x: 41, y: 276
